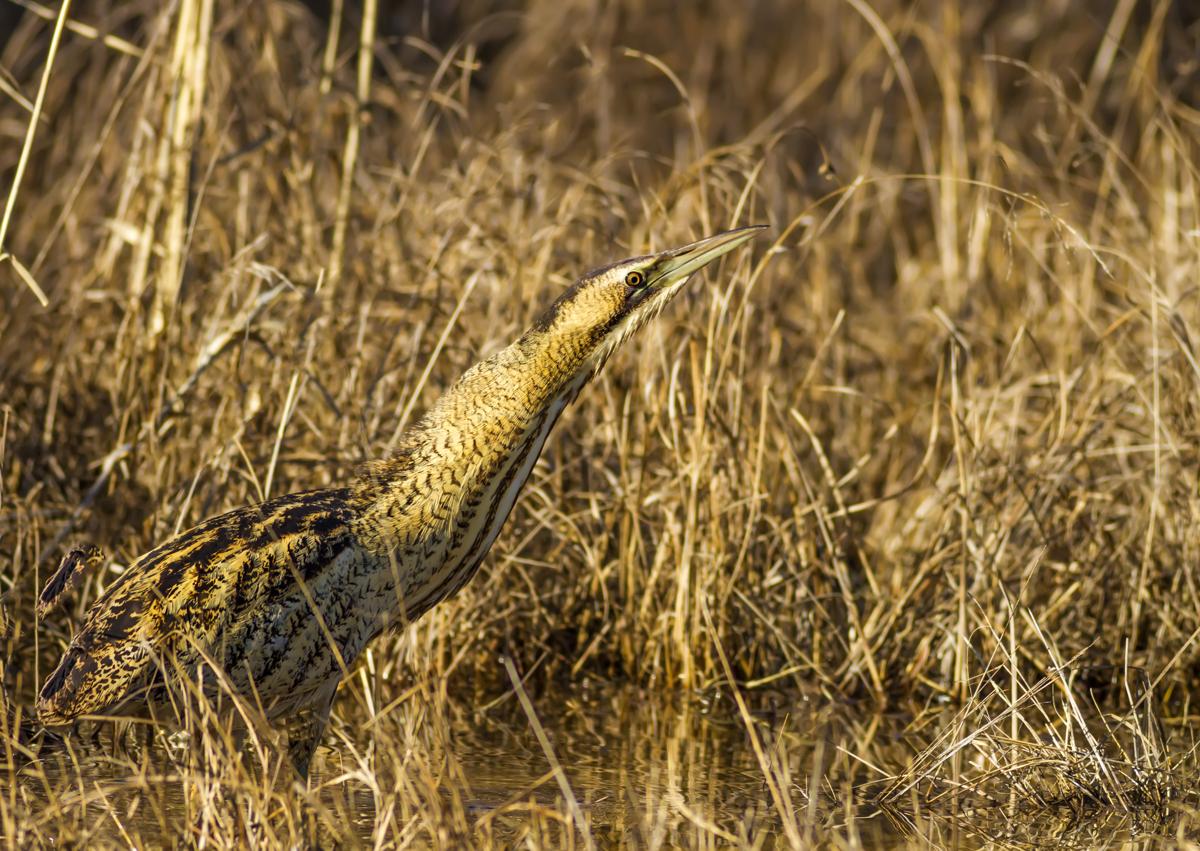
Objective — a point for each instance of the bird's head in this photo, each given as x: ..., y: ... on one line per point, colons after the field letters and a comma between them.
x: 607, y: 305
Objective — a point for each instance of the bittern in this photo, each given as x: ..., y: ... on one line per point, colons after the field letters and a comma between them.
x: 278, y: 599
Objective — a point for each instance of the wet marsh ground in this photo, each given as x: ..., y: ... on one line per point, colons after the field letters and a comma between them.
x: 886, y: 533
x: 642, y: 772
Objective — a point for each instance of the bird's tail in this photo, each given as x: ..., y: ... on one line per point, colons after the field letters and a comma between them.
x: 21, y: 736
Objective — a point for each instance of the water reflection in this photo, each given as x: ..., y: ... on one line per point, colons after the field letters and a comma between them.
x: 645, y: 773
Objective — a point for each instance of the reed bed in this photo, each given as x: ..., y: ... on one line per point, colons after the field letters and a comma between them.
x: 898, y: 514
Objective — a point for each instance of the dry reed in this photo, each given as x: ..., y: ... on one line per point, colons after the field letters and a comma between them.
x: 933, y: 451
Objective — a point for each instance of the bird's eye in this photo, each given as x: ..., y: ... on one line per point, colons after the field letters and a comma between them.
x: 635, y: 279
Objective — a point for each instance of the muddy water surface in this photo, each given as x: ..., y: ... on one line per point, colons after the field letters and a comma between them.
x: 698, y: 772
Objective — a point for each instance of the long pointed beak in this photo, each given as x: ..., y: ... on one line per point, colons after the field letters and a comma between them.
x: 678, y: 263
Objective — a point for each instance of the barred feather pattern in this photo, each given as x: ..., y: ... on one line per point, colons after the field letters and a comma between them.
x: 285, y: 594
x: 281, y: 597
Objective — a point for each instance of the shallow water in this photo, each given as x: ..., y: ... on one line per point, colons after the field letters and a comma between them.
x: 634, y: 764
x: 644, y: 773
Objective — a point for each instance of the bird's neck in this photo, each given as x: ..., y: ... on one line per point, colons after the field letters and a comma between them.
x: 497, y: 401
x: 430, y: 513
x: 480, y: 439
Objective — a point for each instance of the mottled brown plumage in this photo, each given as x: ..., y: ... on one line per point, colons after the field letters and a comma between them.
x: 281, y: 597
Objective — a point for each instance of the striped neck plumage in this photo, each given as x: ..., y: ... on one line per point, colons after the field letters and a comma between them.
x: 516, y: 395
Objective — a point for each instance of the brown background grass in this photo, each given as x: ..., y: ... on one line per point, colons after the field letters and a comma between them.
x: 939, y: 435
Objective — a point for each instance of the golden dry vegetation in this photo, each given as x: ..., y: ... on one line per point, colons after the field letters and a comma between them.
x: 889, y: 527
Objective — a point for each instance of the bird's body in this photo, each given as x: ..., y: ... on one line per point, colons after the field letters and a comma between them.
x: 278, y: 599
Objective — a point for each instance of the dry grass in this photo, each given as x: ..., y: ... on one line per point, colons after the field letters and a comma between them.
x: 935, y: 450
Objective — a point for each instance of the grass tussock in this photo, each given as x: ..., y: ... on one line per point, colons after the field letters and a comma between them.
x: 932, y: 453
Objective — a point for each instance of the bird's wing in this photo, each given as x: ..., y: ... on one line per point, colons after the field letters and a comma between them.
x: 185, y: 599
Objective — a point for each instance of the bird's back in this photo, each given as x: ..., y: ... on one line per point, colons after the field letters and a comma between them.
x: 235, y: 589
